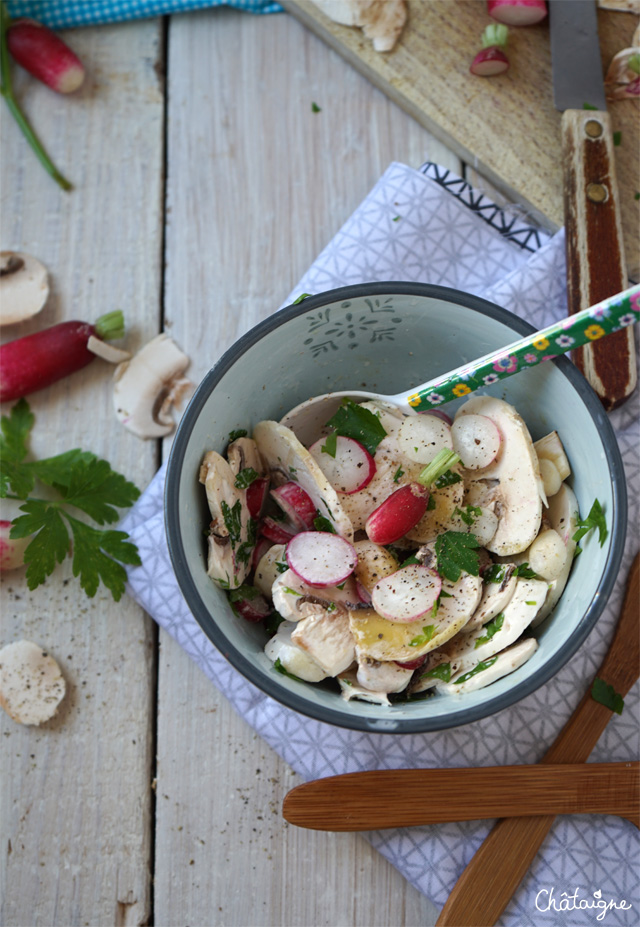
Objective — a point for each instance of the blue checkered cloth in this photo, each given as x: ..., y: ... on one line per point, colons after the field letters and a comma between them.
x: 62, y: 14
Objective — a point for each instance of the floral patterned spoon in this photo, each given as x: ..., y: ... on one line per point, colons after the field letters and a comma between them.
x: 584, y: 327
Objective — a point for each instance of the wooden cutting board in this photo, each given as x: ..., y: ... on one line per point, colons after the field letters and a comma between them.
x: 506, y: 126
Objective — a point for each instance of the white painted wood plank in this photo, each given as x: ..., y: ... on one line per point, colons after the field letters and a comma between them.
x: 257, y: 186
x: 76, y: 799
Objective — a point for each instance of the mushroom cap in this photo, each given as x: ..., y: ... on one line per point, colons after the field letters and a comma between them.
x: 24, y: 287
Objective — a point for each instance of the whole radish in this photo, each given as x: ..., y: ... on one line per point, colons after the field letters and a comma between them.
x: 44, y: 55
x: 517, y: 12
x: 36, y: 361
x: 492, y: 59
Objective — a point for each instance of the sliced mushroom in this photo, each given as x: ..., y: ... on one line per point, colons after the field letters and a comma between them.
x: 470, y: 647
x: 380, y: 639
x: 24, y: 287
x: 242, y: 454
x: 232, y: 530
x: 495, y: 597
x: 107, y: 351
x: 293, y: 658
x: 501, y: 665
x: 294, y: 600
x: 284, y: 455
x: 149, y: 385
x: 519, y: 492
x: 563, y: 517
x: 351, y: 688
x: 374, y: 563
x: 441, y: 514
x: 381, y: 21
x: 269, y: 567
x: 327, y: 638
x: 381, y: 677
x: 551, y: 452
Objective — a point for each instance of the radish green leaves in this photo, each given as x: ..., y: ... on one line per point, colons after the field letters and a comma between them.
x: 83, y: 482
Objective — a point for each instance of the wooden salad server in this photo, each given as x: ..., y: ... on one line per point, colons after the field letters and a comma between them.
x: 486, y: 885
x: 596, y: 265
x: 413, y: 797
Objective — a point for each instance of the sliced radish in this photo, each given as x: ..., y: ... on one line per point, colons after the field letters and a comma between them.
x: 399, y: 513
x: 422, y: 437
x: 407, y: 594
x: 252, y: 607
x: 363, y: 593
x: 476, y: 439
x: 320, y: 558
x: 412, y: 664
x: 257, y: 496
x: 438, y: 413
x: 517, y: 12
x: 263, y: 544
x: 280, y: 532
x: 352, y: 467
x: 296, y: 503
x: 489, y: 62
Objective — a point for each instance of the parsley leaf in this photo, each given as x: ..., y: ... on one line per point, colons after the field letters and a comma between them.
x: 455, y: 552
x: 88, y: 484
x: 525, y: 572
x: 427, y: 633
x: 441, y: 671
x: 448, y: 478
x: 495, y: 574
x: 99, y: 555
x: 604, y: 693
x: 320, y: 523
x: 51, y: 542
x: 478, y: 668
x: 595, y: 519
x: 330, y: 445
x: 245, y: 478
x: 399, y: 472
x: 352, y: 421
x: 238, y: 433
x: 278, y: 666
x: 469, y: 515
x: 491, y: 629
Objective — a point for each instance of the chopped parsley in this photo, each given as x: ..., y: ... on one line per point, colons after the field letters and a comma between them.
x: 427, y: 633
x: 589, y: 106
x: 302, y: 296
x: 409, y: 561
x: 246, y: 477
x: 353, y: 421
x: 469, y: 515
x: 320, y: 523
x: 330, y: 445
x: 604, y: 693
x: 495, y: 574
x: 617, y: 138
x: 315, y: 108
x: 442, y: 671
x: 524, y: 571
x: 399, y: 472
x: 491, y: 629
x: 238, y: 433
x: 595, y: 519
x: 431, y: 503
x: 448, y: 478
x: 279, y: 668
x: 478, y: 668
x: 455, y: 553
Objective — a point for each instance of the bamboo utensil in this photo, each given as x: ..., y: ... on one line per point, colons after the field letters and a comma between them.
x: 483, y: 890
x: 413, y: 797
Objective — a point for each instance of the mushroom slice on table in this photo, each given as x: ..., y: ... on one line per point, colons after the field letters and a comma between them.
x: 495, y: 597
x: 232, y: 531
x: 518, y: 492
x: 24, y: 287
x: 484, y: 672
x: 291, y: 657
x: 382, y: 22
x: 327, y: 638
x: 31, y: 683
x: 563, y: 517
x: 287, y: 459
x: 147, y: 386
x: 376, y: 676
x: 381, y: 639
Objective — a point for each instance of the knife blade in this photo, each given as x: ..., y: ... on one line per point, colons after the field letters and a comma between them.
x: 594, y: 246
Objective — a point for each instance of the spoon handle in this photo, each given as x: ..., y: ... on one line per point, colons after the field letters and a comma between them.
x: 382, y: 798
x: 583, y: 328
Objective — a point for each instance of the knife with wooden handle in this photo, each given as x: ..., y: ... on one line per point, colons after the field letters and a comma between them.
x: 594, y: 246
x: 485, y: 887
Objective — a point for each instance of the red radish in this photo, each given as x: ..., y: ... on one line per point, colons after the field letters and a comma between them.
x: 36, y: 361
x: 412, y: 664
x: 320, y: 558
x: 297, y: 504
x: 517, y: 12
x: 251, y: 606
x: 438, y: 414
x: 279, y: 532
x: 11, y: 549
x: 363, y: 593
x: 263, y: 544
x: 42, y: 53
x: 492, y: 59
x: 352, y: 468
x: 257, y: 496
x: 476, y: 440
x: 399, y: 513
x: 407, y: 594
x: 421, y: 437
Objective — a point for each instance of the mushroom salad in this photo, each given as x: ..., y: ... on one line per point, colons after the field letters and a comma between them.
x: 397, y: 554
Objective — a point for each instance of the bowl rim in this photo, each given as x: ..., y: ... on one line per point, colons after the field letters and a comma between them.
x: 270, y: 685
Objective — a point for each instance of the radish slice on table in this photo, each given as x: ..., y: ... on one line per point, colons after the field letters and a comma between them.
x: 296, y: 503
x: 422, y: 437
x: 406, y: 594
x: 277, y: 531
x: 349, y: 469
x: 492, y: 59
x: 399, y: 513
x: 320, y: 558
x: 476, y: 440
x: 517, y: 12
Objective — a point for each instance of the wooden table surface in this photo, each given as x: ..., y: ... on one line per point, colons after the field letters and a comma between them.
x: 204, y: 188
